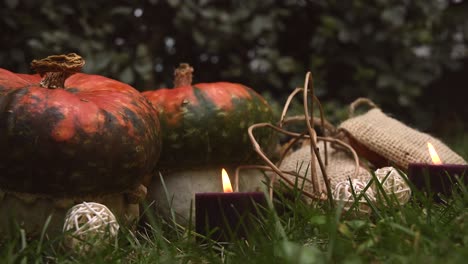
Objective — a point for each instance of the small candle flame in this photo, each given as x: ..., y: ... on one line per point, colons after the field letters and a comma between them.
x: 227, y: 187
x: 435, y: 158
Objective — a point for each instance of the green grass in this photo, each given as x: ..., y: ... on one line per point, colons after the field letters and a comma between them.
x: 290, y: 231
x: 421, y: 231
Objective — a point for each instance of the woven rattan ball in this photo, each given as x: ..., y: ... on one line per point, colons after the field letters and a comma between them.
x: 89, y: 226
x: 344, y: 193
x: 394, y: 183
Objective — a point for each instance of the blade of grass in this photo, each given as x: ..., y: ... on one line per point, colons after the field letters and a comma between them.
x: 169, y: 203
x: 24, y: 244
x: 43, y: 231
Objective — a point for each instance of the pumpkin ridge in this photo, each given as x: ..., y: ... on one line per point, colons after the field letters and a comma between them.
x: 18, y: 81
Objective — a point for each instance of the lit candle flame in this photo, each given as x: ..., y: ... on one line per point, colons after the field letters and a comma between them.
x: 435, y: 158
x: 227, y: 187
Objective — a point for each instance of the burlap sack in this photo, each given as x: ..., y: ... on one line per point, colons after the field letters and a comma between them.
x: 341, y: 167
x: 385, y: 141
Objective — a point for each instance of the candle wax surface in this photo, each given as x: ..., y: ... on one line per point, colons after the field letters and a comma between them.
x: 230, y: 214
x: 439, y: 177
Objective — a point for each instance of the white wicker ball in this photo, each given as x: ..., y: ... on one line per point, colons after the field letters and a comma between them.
x: 88, y: 226
x: 344, y: 193
x: 393, y: 183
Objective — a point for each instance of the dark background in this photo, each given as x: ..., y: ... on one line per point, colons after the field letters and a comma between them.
x: 409, y: 57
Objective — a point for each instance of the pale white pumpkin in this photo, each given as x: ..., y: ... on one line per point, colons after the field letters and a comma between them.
x: 31, y: 211
x: 182, y: 186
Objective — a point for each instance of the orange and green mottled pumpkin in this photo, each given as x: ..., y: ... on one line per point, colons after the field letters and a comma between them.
x: 66, y: 133
x: 206, y: 124
x: 204, y: 129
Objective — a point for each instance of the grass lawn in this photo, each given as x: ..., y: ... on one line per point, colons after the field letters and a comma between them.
x: 421, y: 231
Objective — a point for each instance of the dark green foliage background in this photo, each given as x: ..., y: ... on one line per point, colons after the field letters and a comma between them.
x: 410, y: 57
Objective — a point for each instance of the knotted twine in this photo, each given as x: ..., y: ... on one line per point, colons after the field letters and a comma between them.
x: 317, y: 176
x: 341, y: 167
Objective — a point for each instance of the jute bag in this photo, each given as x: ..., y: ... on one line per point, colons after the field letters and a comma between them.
x: 321, y: 167
x: 385, y: 141
x: 341, y: 167
x: 344, y: 173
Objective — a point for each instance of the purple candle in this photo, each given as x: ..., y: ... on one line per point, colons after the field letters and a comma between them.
x: 224, y: 216
x: 438, y: 177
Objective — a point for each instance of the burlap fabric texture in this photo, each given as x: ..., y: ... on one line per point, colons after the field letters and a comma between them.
x: 341, y: 167
x: 384, y: 138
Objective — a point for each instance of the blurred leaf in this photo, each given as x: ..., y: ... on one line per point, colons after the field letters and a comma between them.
x: 291, y: 252
x: 101, y: 62
x: 345, y: 231
x: 174, y: 3
x: 198, y: 37
x: 394, y: 15
x: 121, y: 10
x: 127, y: 75
x: 318, y: 220
x: 35, y: 44
x: 260, y: 24
x: 286, y: 64
x: 397, y: 53
x: 11, y: 4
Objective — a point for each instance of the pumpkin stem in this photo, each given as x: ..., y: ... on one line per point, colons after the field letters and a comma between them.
x: 55, y: 69
x: 183, y: 75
